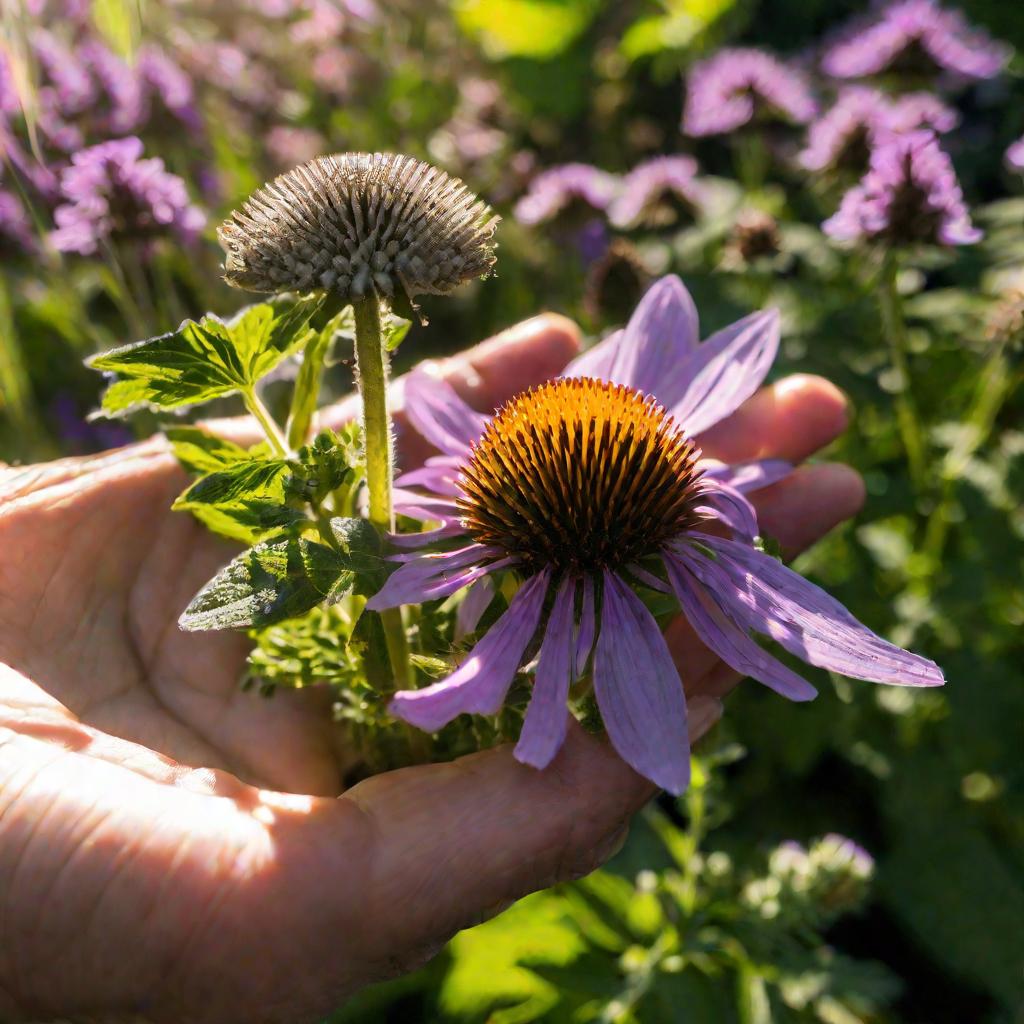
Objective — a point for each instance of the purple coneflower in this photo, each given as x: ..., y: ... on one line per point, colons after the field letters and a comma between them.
x: 653, y: 192
x: 587, y: 486
x: 909, y: 194
x: 111, y: 192
x: 843, y: 137
x: 555, y: 190
x: 914, y: 35
x: 729, y: 89
x: 1015, y: 155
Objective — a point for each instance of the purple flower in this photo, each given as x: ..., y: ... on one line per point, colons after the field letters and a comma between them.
x: 728, y: 90
x: 112, y: 192
x: 916, y: 110
x: 586, y: 487
x: 553, y: 191
x: 1015, y: 155
x: 914, y: 35
x: 126, y: 108
x: 15, y: 227
x: 909, y: 194
x: 169, y: 84
x: 843, y: 137
x: 64, y: 70
x: 650, y: 190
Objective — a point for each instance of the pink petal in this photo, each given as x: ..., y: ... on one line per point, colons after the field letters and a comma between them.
x: 585, y: 635
x: 726, y: 370
x: 762, y: 594
x: 749, y: 476
x: 474, y: 604
x: 547, y: 715
x: 439, y: 474
x: 727, y: 640
x: 479, y: 684
x: 437, y: 574
x: 596, y: 361
x: 438, y: 413
x: 638, y: 690
x: 662, y: 332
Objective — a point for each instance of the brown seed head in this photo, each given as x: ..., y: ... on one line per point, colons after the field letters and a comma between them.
x: 579, y: 475
x: 359, y: 224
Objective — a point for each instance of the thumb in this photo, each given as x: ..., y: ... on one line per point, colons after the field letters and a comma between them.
x: 456, y: 843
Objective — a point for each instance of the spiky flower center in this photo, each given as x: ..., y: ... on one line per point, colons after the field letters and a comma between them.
x: 580, y: 475
x: 358, y: 224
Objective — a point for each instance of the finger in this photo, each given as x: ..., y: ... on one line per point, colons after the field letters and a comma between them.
x: 790, y: 419
x: 456, y: 843
x: 798, y: 512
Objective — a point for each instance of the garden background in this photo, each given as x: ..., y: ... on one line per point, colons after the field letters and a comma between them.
x: 710, y: 913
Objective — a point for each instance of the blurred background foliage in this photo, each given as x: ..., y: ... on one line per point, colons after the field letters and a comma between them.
x: 725, y: 907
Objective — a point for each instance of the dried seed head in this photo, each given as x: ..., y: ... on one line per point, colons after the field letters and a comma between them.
x: 359, y: 224
x: 579, y: 475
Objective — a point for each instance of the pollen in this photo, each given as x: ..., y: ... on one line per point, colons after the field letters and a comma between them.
x: 579, y: 475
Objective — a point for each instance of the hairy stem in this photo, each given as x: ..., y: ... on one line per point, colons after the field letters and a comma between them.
x: 895, y: 329
x: 373, y: 388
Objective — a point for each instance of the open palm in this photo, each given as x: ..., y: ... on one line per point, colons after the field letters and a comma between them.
x: 172, y: 848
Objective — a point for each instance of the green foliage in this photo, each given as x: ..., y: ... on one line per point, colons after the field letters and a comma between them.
x: 279, y: 579
x: 205, y: 360
x: 721, y: 941
x: 539, y: 29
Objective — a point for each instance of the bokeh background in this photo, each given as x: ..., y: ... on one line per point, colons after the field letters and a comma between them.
x: 721, y: 907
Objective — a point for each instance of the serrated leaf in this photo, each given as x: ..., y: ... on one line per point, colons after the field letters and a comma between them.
x: 250, y: 478
x: 270, y: 582
x: 359, y: 543
x: 333, y: 459
x: 199, y: 451
x: 205, y: 359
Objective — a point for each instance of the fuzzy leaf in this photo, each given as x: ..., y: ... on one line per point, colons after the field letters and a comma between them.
x: 273, y: 581
x: 205, y: 360
x: 253, y: 477
x: 199, y: 451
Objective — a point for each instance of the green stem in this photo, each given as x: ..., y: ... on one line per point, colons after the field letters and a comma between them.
x: 373, y: 387
x: 270, y: 429
x: 994, y: 387
x: 895, y: 330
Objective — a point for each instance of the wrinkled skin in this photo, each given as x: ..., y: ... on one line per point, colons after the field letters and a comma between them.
x: 172, y: 849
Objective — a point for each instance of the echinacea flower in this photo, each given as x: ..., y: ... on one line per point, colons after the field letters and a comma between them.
x: 359, y: 224
x: 590, y: 485
x: 843, y: 137
x: 110, y: 191
x: 728, y: 90
x: 1015, y: 155
x: 655, y: 191
x: 916, y: 36
x: 910, y: 194
x: 553, y: 191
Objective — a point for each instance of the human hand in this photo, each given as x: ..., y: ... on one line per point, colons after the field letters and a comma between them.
x: 173, y: 849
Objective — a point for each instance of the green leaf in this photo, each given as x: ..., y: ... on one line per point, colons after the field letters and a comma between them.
x: 359, y: 545
x: 334, y: 458
x: 205, y: 360
x: 199, y: 451
x: 307, y: 385
x: 238, y: 481
x: 395, y: 331
x: 273, y: 581
x: 538, y: 29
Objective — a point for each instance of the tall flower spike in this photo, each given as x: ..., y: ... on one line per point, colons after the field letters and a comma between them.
x: 359, y: 224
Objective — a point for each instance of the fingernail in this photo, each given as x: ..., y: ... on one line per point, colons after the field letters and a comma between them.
x: 703, y: 712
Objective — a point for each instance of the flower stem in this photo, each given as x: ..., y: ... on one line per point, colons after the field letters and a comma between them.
x: 271, y: 430
x: 895, y: 329
x: 994, y: 387
x: 373, y: 387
